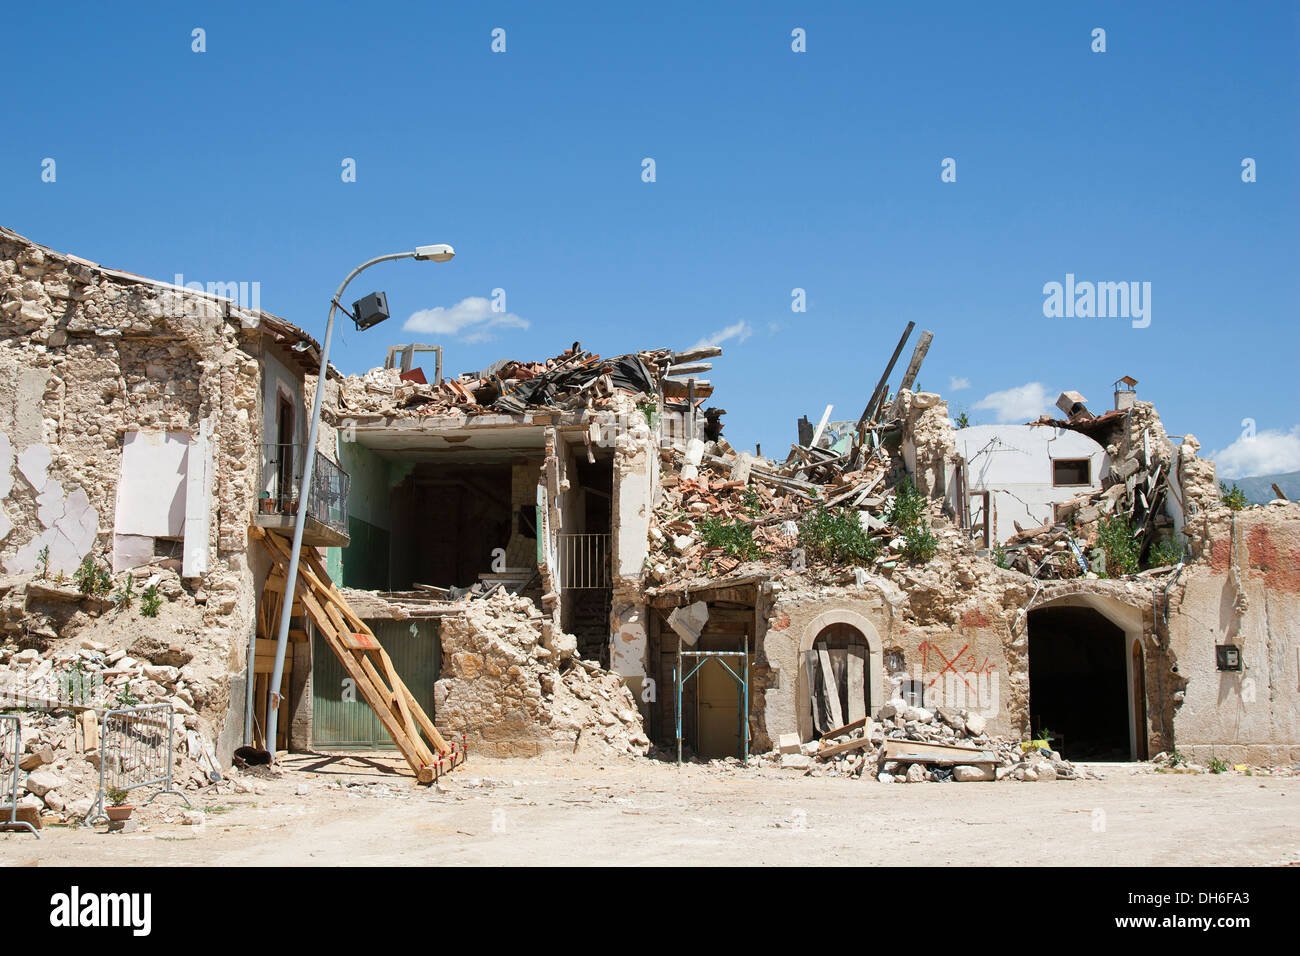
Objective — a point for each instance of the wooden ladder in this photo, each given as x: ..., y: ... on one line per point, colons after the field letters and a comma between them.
x: 363, y: 657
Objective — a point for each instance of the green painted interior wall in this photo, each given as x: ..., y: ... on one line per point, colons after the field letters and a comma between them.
x: 364, y: 562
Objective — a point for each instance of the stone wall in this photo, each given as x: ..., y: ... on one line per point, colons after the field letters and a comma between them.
x: 1245, y: 591
x: 87, y: 355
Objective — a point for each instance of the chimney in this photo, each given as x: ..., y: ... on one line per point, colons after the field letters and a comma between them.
x: 1125, y: 393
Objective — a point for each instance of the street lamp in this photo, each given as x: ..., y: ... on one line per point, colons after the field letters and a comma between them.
x: 439, y: 252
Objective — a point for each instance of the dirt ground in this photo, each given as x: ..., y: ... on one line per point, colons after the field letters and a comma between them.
x: 359, y: 810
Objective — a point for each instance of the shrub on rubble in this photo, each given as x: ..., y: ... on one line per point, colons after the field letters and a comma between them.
x: 734, y: 537
x: 1117, y: 545
x: 907, y: 515
x: 836, y: 536
x: 1164, y: 552
x: 1233, y: 497
x: 919, y: 543
x: 908, y: 507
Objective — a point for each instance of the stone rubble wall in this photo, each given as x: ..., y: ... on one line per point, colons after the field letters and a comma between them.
x: 511, y: 696
x: 87, y: 355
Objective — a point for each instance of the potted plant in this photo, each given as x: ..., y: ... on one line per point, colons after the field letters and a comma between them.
x: 1042, y: 742
x: 118, y: 810
x: 266, y: 504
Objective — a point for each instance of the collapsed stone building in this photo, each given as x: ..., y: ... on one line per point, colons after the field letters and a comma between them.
x: 567, y: 554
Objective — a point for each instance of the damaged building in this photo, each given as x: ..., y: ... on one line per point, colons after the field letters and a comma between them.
x: 566, y: 554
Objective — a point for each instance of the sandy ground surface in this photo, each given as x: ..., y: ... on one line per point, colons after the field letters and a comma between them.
x: 358, y: 810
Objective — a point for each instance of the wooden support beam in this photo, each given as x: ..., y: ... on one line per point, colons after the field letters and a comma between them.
x: 913, y: 368
x: 878, y: 394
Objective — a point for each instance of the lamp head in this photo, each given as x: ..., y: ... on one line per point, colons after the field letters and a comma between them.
x: 439, y: 252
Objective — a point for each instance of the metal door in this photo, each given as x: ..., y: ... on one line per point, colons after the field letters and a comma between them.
x: 341, y: 718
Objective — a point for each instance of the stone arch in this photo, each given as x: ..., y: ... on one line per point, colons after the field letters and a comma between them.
x: 1129, y: 619
x: 875, y: 662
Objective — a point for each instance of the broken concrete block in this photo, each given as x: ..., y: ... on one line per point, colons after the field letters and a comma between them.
x: 788, y: 743
x: 37, y: 758
x: 917, y: 773
x: 965, y: 774
x: 689, y: 621
x: 795, y: 761
x: 41, y: 782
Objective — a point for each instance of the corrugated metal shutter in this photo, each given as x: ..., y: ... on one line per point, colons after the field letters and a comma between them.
x: 344, y: 721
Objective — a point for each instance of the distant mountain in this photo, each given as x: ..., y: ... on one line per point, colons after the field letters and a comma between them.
x: 1259, y: 487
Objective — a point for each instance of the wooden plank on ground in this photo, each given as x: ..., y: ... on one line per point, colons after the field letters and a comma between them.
x: 846, y: 729
x: 912, y: 751
x: 857, y: 743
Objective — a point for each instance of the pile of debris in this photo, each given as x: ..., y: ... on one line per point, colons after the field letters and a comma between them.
x: 1141, y: 459
x: 723, y: 510
x: 514, y: 686
x: 907, y: 744
x: 70, y: 656
x: 573, y: 380
x: 61, y: 700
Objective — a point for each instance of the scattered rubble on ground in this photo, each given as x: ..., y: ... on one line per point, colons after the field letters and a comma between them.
x: 907, y: 744
x: 73, y: 657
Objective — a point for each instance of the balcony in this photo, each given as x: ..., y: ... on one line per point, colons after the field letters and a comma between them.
x: 280, y: 483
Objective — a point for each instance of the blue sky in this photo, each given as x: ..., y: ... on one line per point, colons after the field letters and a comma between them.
x: 775, y: 170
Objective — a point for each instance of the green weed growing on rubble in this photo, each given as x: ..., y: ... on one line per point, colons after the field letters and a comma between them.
x: 124, y: 596
x: 836, y: 536
x: 92, y: 580
x: 1162, y: 553
x: 150, y: 601
x: 1217, y: 765
x: 1116, y: 543
x: 1233, y: 497
x: 907, y: 515
x: 734, y: 537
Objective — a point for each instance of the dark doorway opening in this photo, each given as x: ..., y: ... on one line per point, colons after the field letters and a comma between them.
x: 446, y: 522
x: 1078, y: 683
x: 584, y: 557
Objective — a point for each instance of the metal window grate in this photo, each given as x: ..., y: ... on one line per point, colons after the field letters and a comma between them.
x: 583, y: 561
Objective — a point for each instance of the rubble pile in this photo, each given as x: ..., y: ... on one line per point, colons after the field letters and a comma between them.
x: 1141, y: 458
x: 514, y: 686
x: 61, y: 700
x: 69, y: 657
x: 953, y: 748
x: 752, y: 509
x: 573, y: 380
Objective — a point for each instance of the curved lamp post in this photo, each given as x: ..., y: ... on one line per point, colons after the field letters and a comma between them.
x: 440, y: 252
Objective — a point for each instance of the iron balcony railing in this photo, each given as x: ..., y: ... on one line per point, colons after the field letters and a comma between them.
x: 280, y: 482
x: 583, y: 560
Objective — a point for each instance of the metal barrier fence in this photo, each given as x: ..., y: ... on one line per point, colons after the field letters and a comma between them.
x: 11, y: 744
x: 135, y: 750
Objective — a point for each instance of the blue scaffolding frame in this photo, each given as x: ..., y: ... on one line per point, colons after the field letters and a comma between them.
x: 741, y: 679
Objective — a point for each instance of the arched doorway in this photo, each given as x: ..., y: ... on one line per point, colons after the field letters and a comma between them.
x: 1087, y: 687
x: 839, y: 678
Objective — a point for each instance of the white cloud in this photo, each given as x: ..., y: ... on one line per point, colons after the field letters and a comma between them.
x: 1021, y: 404
x: 956, y: 384
x: 469, y: 320
x: 1267, y: 453
x: 739, y: 331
